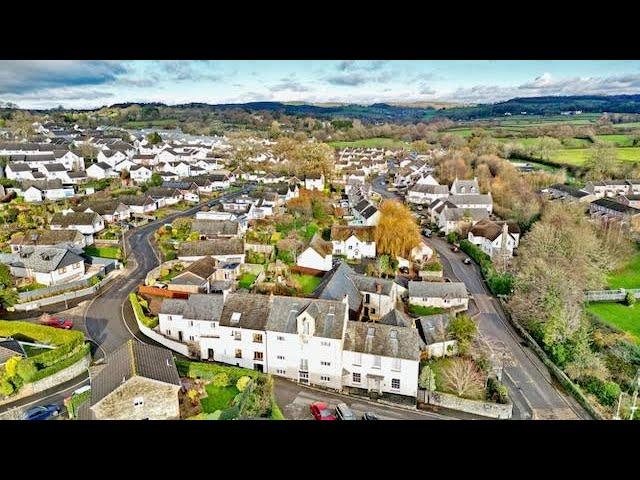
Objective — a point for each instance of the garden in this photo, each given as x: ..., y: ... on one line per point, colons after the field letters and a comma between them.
x: 104, y: 252
x: 141, y: 310
x: 70, y: 348
x: 217, y: 392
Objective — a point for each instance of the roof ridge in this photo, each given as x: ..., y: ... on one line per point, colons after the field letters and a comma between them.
x: 134, y: 371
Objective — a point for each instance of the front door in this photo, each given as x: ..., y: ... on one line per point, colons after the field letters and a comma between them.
x: 180, y: 336
x: 210, y: 354
x: 374, y: 384
x: 258, y: 367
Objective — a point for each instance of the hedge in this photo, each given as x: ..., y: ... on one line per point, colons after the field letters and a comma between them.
x: 83, y: 351
x: 499, y: 283
x: 208, y: 371
x: 39, y: 333
x: 150, y: 322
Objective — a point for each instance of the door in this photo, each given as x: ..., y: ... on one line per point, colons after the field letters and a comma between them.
x: 180, y: 336
x: 374, y: 384
x: 210, y: 354
x: 258, y: 367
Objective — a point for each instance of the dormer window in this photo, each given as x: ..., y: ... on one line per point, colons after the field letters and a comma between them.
x: 235, y: 317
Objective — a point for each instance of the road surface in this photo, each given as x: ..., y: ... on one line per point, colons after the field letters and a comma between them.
x: 532, y: 388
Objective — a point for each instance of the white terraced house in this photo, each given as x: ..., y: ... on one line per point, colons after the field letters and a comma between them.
x: 353, y: 242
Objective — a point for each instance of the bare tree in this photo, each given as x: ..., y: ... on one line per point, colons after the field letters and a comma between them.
x: 462, y: 377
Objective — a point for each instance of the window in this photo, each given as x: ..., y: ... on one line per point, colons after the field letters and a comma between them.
x: 367, y: 298
x: 257, y: 338
x: 191, y: 323
x: 357, y: 359
x: 325, y: 344
x: 356, y: 378
x: 325, y: 364
x: 305, y: 327
x: 237, y: 335
x: 304, y: 364
x: 281, y: 338
x: 395, y: 366
x: 325, y: 378
x: 395, y: 383
x: 280, y: 371
x: 138, y: 402
x: 191, y: 337
x: 63, y: 270
x: 235, y: 317
x: 376, y: 361
x: 280, y: 357
x: 258, y: 356
x: 372, y: 311
x: 238, y: 353
x: 169, y: 332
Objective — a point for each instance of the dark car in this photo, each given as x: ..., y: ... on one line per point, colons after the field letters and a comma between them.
x: 42, y: 412
x: 404, y: 270
x: 343, y: 412
x: 369, y: 416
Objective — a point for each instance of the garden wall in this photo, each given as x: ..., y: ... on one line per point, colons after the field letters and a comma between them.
x: 155, y: 273
x: 427, y: 274
x: 51, y: 381
x: 258, y: 247
x: 476, y: 407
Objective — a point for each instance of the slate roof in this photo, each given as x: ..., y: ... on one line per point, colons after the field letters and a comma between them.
x: 383, y: 340
x: 46, y: 237
x: 569, y: 190
x: 432, y: 189
x: 217, y: 246
x: 368, y: 284
x: 473, y: 199
x: 130, y: 360
x: 337, y: 283
x: 41, y: 259
x: 215, y: 227
x: 329, y: 315
x: 616, y: 206
x: 19, y: 167
x: 137, y: 200
x: 198, y: 307
x: 398, y: 318
x: 102, y: 165
x: 42, y: 185
x: 432, y: 327
x: 457, y: 214
x: 253, y: 308
x: 74, y: 218
x: 102, y: 207
x: 10, y: 348
x: 203, y: 268
x: 491, y: 230
x: 163, y: 192
x: 438, y: 289
x: 55, y: 167
x: 343, y: 232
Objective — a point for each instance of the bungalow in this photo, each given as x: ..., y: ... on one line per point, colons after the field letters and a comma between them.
x: 140, y: 204
x: 56, y: 171
x: 110, y: 157
x: 465, y: 187
x: 140, y: 173
x: 196, y: 278
x: 19, y: 171
x: 46, y: 238
x: 356, y: 242
x: 165, y: 196
x: 424, y: 194
x: 216, y: 228
x: 317, y: 255
x: 314, y: 181
x: 495, y: 237
x: 220, y: 180
x: 138, y: 382
x: 39, y: 190
x: 111, y: 210
x: 87, y: 223
x: 439, y: 294
x: 381, y: 359
x: 45, y: 265
x: 100, y: 170
x: 229, y: 250
x: 125, y: 164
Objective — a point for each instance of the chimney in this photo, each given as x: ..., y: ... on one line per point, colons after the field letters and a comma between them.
x: 345, y: 298
x: 378, y: 288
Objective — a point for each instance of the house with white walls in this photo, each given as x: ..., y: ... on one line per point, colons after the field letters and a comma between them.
x: 314, y: 181
x: 87, y: 223
x: 465, y: 187
x: 447, y: 295
x: 381, y: 359
x: 426, y: 193
x: 473, y: 201
x: 495, y: 238
x: 354, y: 242
x: 110, y: 157
x: 317, y: 255
x: 225, y: 250
x: 45, y: 265
x: 100, y: 170
x: 18, y: 171
x: 188, y: 320
x: 140, y: 173
x: 455, y: 219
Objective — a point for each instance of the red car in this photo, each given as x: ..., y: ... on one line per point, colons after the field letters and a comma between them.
x: 57, y: 322
x: 320, y: 411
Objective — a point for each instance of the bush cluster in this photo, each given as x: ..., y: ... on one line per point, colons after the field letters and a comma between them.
x: 499, y: 283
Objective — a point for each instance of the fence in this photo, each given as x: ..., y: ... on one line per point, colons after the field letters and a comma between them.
x: 610, y: 295
x: 42, y: 293
x: 307, y: 271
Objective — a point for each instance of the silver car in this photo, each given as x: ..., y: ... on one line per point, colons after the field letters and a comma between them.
x: 343, y: 412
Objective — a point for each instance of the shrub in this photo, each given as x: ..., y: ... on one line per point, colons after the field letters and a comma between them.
x: 453, y: 237
x: 463, y: 329
x: 220, y: 380
x: 150, y: 322
x: 606, y: 392
x: 427, y: 378
x: 230, y: 413
x: 499, y: 283
x: 26, y: 369
x: 6, y: 387
x: 629, y: 299
x: 496, y: 391
x: 242, y: 383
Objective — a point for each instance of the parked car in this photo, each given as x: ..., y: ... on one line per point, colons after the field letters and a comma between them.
x: 467, y: 261
x: 427, y: 233
x: 343, y: 412
x: 57, y: 322
x: 320, y: 411
x: 404, y: 270
x: 43, y: 412
x: 369, y: 416
x: 454, y: 248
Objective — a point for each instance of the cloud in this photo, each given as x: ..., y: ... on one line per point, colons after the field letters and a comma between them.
x: 289, y: 85
x: 346, y: 65
x: 354, y: 73
x: 23, y: 76
x: 426, y: 90
x: 192, y: 70
x: 347, y: 79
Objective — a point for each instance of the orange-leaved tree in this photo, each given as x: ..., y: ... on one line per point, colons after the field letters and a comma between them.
x: 397, y: 231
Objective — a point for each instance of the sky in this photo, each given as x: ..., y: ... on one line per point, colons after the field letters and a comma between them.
x: 95, y: 83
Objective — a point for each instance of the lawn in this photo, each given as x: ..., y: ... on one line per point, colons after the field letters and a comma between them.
x: 246, y: 280
x: 104, y: 252
x: 577, y: 156
x: 621, y: 316
x: 30, y: 287
x: 423, y: 311
x: 308, y: 283
x: 619, y: 140
x: 371, y: 143
x: 628, y: 277
x: 218, y: 398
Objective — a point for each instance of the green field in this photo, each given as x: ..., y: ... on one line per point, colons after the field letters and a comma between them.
x: 619, y: 140
x: 371, y: 143
x: 150, y: 123
x: 308, y: 283
x: 104, y: 252
x: 619, y: 315
x: 577, y: 156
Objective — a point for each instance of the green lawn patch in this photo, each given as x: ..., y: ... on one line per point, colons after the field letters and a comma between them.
x: 33, y: 351
x: 423, y: 311
x: 308, y: 283
x: 246, y: 280
x: 30, y: 287
x: 627, y: 277
x: 619, y: 140
x: 218, y: 398
x: 577, y: 156
x: 371, y: 143
x: 619, y: 315
x: 104, y: 252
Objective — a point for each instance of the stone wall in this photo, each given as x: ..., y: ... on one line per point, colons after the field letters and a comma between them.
x: 51, y: 381
x: 259, y: 248
x: 476, y: 407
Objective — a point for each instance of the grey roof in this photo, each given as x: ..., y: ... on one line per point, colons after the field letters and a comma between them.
x: 197, y: 307
x: 457, y: 214
x: 217, y: 246
x: 137, y: 200
x: 74, y: 218
x: 102, y: 207
x: 472, y: 185
x: 130, y: 360
x: 372, y: 284
x: 253, y: 309
x: 41, y: 259
x: 569, y: 190
x: 383, y: 340
x: 329, y: 315
x: 10, y: 348
x: 616, y: 206
x: 438, y: 289
x: 432, y: 189
x: 103, y: 165
x: 337, y: 283
x: 474, y: 199
x: 398, y: 318
x: 47, y: 237
x: 19, y: 167
x: 55, y: 167
x: 54, y: 184
x: 433, y: 327
x: 215, y: 227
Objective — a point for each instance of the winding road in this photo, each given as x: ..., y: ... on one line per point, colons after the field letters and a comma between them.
x: 535, y: 393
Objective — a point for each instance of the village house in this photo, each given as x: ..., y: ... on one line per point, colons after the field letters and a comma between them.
x: 19, y: 172
x: 45, y: 265
x: 110, y: 158
x: 209, y: 229
x: 608, y: 210
x: 225, y: 250
x: 87, y: 223
x: 140, y: 174
x: 456, y: 219
x: 465, y: 187
x: 100, y: 170
x: 355, y: 242
x: 424, y: 194
x: 139, y: 204
x: 196, y: 278
x: 446, y: 295
x: 314, y: 181
x: 47, y: 238
x: 381, y: 359
x: 164, y: 196
x: 138, y: 382
x: 472, y: 201
x: 436, y: 341
x: 111, y: 210
x: 495, y: 238
x: 317, y: 255
x: 40, y: 190
x: 188, y: 320
x: 365, y: 213
x: 568, y: 193
x: 124, y: 165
